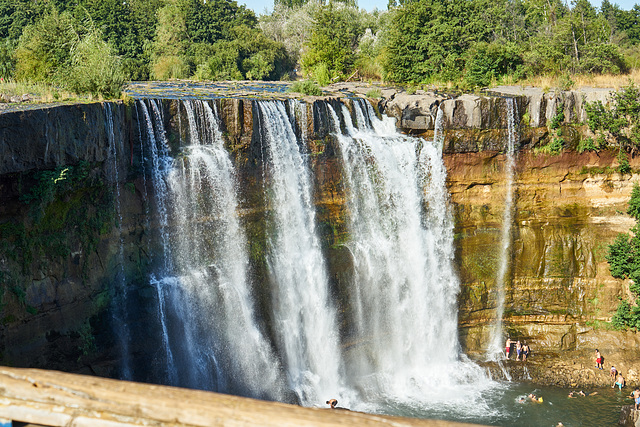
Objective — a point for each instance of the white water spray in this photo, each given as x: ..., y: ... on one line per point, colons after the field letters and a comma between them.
x: 305, y: 321
x: 212, y: 261
x: 404, y: 287
x: 208, y: 325
x: 160, y: 163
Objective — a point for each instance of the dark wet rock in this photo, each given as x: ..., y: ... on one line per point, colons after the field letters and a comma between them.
x: 629, y: 417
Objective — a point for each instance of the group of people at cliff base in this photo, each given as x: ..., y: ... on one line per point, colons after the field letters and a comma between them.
x: 618, y: 380
x: 614, y: 374
x: 522, y: 349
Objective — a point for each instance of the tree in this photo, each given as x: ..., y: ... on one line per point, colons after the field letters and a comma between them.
x: 127, y: 25
x: 214, y: 20
x: 334, y: 38
x: 624, y: 262
x: 486, y: 61
x: 428, y: 38
x: 44, y: 49
x: 168, y: 57
x: 95, y: 68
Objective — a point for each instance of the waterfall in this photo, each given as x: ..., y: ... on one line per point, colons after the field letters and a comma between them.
x: 160, y: 162
x: 497, y: 338
x: 305, y: 320
x: 120, y: 299
x: 206, y: 311
x: 400, y: 346
x: 403, y: 293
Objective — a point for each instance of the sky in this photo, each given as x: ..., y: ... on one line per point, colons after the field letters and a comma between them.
x: 259, y: 6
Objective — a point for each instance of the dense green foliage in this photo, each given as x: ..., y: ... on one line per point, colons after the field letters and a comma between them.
x: 624, y: 263
x: 468, y: 42
x: 617, y: 124
x: 92, y: 46
x: 332, y: 42
x: 481, y: 40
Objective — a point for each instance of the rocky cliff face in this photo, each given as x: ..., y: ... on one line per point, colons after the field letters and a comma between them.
x: 60, y: 259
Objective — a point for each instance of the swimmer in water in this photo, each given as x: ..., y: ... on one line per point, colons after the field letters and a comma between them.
x: 535, y: 398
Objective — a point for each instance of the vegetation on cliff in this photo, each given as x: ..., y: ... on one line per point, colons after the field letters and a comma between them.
x: 624, y: 262
x: 616, y: 124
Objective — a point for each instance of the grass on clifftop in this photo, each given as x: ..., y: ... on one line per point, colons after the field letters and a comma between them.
x: 306, y: 87
x: 40, y: 93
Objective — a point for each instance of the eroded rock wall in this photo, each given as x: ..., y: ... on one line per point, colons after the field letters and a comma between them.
x: 559, y: 291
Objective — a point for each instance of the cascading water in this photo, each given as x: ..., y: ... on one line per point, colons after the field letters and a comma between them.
x: 497, y: 339
x: 404, y: 286
x: 120, y: 300
x: 305, y: 321
x: 404, y: 351
x: 209, y: 327
x: 160, y: 163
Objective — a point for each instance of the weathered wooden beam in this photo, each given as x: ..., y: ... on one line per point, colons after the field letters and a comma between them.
x: 54, y: 398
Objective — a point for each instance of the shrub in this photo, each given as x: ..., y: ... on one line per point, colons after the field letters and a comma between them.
x: 623, y: 162
x: 621, y: 120
x: 620, y: 256
x: 602, y: 58
x: 634, y: 203
x: 624, y: 263
x: 486, y: 61
x: 306, y: 87
x: 374, y: 93
x: 586, y: 144
x: 44, y: 49
x: 95, y: 68
x: 623, y: 317
x: 321, y: 74
x: 558, y: 118
x: 565, y: 82
x: 554, y: 147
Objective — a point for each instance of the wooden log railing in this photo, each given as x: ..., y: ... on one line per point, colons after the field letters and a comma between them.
x: 51, y: 398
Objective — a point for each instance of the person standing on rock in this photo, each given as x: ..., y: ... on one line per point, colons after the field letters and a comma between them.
x: 518, y: 350
x: 619, y: 381
x: 613, y: 373
x: 525, y: 351
x: 635, y: 395
x: 599, y: 359
x: 507, y: 347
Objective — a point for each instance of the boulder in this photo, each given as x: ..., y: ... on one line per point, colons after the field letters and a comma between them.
x: 629, y: 417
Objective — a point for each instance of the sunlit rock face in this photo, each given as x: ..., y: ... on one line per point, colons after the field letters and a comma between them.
x: 566, y: 215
